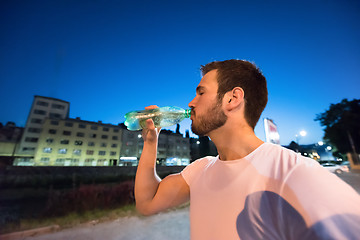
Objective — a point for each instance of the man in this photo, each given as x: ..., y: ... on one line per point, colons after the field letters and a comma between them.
x: 252, y: 190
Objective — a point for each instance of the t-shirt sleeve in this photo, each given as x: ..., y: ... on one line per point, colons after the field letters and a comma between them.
x: 192, y: 170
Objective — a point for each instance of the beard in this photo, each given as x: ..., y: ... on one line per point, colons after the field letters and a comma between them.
x: 215, y: 118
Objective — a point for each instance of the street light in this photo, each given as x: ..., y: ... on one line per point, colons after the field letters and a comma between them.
x: 302, y: 134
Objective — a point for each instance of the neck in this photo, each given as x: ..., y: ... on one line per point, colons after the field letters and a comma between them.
x: 234, y: 142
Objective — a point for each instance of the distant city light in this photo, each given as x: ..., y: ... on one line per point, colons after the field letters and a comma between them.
x: 139, y: 136
x: 321, y: 143
x: 328, y: 148
x: 198, y: 142
x: 303, y: 133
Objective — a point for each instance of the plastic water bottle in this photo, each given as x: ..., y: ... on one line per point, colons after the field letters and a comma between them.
x: 162, y: 117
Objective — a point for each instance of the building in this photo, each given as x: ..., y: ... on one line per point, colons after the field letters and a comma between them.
x: 41, y: 109
x: 10, y: 136
x: 173, y: 148
x: 51, y: 138
x: 74, y: 142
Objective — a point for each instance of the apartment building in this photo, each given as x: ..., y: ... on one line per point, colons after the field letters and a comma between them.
x: 74, y: 142
x: 41, y: 109
x: 51, y: 138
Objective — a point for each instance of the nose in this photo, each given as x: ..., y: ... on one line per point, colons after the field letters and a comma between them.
x: 192, y: 103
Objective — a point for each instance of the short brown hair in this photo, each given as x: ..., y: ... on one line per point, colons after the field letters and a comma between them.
x: 239, y: 73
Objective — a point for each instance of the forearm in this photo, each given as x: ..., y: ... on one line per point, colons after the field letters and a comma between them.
x: 146, y: 181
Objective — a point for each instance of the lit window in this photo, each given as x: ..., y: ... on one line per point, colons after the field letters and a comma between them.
x: 62, y: 150
x: 79, y: 143
x: 47, y: 150
x: 77, y: 151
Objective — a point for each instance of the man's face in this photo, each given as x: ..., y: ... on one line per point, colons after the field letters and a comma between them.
x: 207, y: 114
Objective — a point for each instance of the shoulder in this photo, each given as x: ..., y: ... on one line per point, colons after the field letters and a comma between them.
x: 192, y: 170
x: 277, y: 162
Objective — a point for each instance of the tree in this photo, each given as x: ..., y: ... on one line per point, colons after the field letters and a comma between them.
x: 342, y: 125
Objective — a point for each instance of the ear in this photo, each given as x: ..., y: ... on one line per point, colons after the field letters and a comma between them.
x: 234, y: 98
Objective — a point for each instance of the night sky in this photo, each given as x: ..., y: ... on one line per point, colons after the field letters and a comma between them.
x: 110, y: 57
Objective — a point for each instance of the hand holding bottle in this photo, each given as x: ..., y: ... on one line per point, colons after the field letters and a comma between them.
x: 150, y: 133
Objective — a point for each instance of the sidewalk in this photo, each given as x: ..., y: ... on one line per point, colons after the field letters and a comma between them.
x: 172, y: 225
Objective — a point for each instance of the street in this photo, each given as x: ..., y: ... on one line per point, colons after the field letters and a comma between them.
x: 172, y: 225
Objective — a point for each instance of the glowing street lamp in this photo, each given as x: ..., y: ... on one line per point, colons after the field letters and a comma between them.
x: 302, y: 133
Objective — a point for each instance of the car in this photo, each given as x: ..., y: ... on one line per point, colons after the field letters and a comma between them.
x: 334, y: 168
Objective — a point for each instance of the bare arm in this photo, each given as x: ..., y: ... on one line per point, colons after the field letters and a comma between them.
x: 152, y: 194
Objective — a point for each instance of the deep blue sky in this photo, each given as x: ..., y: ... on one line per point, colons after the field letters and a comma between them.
x: 110, y: 57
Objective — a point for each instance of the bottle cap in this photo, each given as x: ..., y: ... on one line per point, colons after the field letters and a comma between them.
x: 187, y: 113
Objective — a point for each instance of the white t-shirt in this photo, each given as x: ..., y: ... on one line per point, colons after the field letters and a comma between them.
x: 273, y: 193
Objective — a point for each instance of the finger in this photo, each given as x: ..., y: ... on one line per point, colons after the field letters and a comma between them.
x: 150, y: 124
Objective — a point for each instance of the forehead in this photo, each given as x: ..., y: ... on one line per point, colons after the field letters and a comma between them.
x: 209, y: 81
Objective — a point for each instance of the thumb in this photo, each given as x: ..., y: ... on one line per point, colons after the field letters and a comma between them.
x: 150, y: 124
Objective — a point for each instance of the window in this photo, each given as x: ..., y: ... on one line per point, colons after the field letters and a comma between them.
x: 114, y: 145
x: 105, y: 129
x: 44, y: 159
x: 55, y: 116
x: 89, y: 160
x: 77, y: 151
x: 52, y: 131
x: 114, y: 137
x: 34, y: 130
x: 64, y: 141
x: 82, y: 125
x: 40, y: 112
x: 112, y: 153
x: 91, y: 144
x: 89, y: 152
x: 104, y: 136
x: 28, y: 149
x: 68, y: 124
x: 93, y: 127
x: 78, y: 143
x: 103, y: 145
x: 49, y: 140
x: 75, y: 161
x: 54, y: 122
x: 60, y: 160
x: 101, y: 161
x: 57, y: 106
x: 42, y: 103
x: 36, y: 120
x: 47, y: 150
x: 92, y: 135
x: 80, y: 134
x: 30, y: 139
x: 66, y: 133
x: 62, y: 150
x: 116, y: 130
x: 102, y: 153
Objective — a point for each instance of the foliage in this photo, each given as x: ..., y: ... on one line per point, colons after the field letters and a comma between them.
x: 342, y: 125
